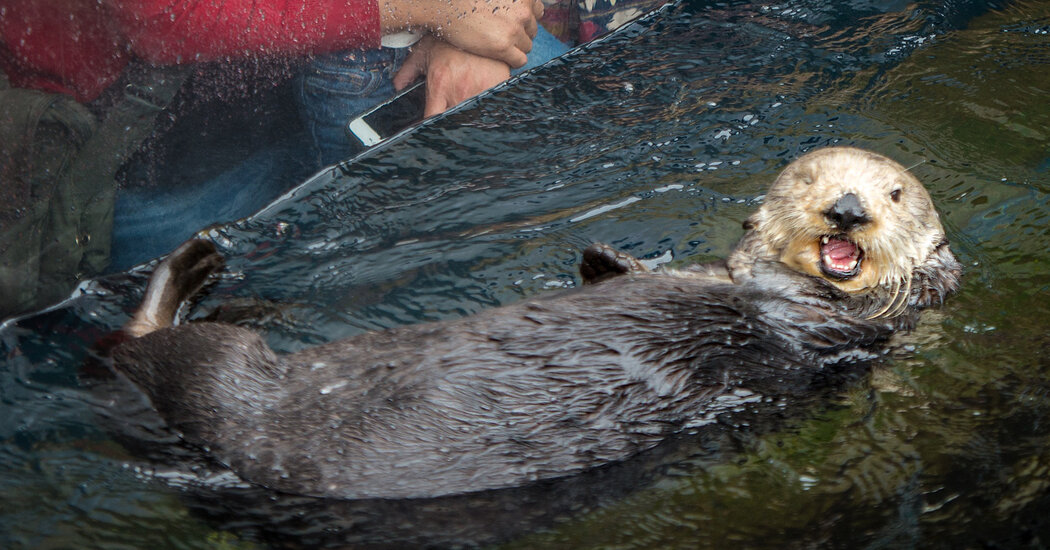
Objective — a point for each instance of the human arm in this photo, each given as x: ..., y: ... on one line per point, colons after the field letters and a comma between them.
x: 497, y: 29
x: 453, y: 75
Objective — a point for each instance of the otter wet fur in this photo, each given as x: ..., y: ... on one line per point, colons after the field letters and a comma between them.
x: 846, y: 249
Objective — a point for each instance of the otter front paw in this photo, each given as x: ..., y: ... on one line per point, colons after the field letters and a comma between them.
x: 175, y: 280
x: 189, y: 266
x: 601, y: 261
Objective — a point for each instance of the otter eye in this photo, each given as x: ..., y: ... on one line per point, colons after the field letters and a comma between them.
x: 895, y: 195
x: 748, y: 225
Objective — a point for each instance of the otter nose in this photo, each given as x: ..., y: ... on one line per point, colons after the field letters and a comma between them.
x: 847, y: 213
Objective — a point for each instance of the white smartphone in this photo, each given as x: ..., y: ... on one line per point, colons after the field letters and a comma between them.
x: 389, y: 118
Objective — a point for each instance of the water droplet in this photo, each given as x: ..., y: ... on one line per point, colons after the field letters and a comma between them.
x: 335, y: 386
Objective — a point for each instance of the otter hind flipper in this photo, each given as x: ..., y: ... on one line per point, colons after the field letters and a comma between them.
x: 174, y: 281
x: 601, y: 261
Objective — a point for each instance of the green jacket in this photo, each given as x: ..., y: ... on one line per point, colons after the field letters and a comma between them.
x: 58, y: 167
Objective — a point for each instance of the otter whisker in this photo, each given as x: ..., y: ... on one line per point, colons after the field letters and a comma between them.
x: 904, y: 297
x: 920, y: 163
x: 890, y: 303
x: 879, y: 313
x: 900, y: 299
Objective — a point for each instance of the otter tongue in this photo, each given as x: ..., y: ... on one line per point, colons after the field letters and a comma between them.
x: 840, y: 249
x: 841, y: 252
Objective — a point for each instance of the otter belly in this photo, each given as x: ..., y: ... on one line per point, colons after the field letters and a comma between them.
x: 536, y: 390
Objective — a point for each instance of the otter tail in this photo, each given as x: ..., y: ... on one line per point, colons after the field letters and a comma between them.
x: 175, y: 280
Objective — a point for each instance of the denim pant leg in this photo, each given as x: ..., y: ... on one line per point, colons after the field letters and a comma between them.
x: 149, y: 222
x: 544, y: 48
x: 337, y: 87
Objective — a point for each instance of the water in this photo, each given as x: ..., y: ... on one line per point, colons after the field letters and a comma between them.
x: 660, y: 141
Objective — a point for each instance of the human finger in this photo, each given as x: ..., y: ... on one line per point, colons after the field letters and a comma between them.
x: 516, y: 56
x: 454, y: 76
x: 436, y: 103
x: 414, y: 65
x: 523, y: 45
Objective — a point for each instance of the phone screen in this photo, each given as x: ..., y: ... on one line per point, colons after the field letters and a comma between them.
x: 387, y: 119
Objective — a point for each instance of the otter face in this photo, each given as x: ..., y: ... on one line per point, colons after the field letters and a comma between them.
x: 854, y: 218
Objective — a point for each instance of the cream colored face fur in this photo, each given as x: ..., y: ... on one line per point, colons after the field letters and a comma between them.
x: 902, y: 232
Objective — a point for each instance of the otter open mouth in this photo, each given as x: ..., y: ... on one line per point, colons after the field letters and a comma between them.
x: 839, y: 257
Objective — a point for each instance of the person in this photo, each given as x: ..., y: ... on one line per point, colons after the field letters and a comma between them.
x: 85, y: 80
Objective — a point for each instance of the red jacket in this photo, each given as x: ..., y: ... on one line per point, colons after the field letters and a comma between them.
x: 79, y: 47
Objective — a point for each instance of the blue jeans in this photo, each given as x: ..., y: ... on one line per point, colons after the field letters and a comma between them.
x: 149, y: 222
x: 339, y: 86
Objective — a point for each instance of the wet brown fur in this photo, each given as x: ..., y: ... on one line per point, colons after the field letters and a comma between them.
x: 557, y: 384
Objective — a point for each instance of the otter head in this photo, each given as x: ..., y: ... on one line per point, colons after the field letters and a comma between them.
x: 858, y: 221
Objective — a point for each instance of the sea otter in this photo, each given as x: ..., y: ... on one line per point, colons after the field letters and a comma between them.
x: 845, y: 249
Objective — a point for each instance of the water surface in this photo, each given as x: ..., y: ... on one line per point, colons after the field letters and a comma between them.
x: 659, y: 140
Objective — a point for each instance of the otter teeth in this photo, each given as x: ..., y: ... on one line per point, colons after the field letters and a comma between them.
x: 840, y: 258
x: 849, y: 267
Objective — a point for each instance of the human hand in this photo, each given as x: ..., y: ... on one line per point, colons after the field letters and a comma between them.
x: 498, y: 29
x: 453, y: 75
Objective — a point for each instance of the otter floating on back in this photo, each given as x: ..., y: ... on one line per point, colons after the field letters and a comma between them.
x: 846, y: 248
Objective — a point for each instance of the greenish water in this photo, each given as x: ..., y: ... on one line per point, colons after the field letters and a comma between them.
x: 659, y: 141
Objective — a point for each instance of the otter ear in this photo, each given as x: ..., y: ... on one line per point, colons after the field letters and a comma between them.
x: 752, y: 221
